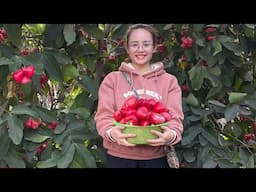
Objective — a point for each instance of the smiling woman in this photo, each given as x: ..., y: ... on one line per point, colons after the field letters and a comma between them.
x: 149, y: 82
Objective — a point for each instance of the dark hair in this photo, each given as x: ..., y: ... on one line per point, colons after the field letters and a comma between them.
x: 146, y: 27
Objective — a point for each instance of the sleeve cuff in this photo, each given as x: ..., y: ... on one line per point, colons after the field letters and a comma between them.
x: 173, y: 139
x: 108, y: 134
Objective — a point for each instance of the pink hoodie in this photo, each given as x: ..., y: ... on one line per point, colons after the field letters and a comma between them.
x: 156, y: 84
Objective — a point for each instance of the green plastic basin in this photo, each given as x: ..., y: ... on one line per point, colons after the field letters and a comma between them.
x: 142, y: 132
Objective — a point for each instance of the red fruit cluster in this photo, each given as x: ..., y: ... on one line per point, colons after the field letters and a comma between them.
x: 142, y: 112
x: 32, y: 123
x: 249, y: 136
x: 27, y: 51
x: 24, y: 52
x: 53, y: 125
x: 211, y: 37
x: 161, y: 48
x: 209, y: 29
x: 112, y: 57
x: 43, y: 79
x: 120, y: 41
x: 187, y: 42
x: 42, y: 147
x: 3, y: 35
x: 185, y: 88
x: 24, y: 75
x: 81, y: 32
x: 210, y: 33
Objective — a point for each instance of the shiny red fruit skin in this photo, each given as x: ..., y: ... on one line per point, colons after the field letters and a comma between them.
x: 156, y: 118
x: 142, y: 113
x: 118, y: 116
x: 166, y: 115
x: 159, y: 107
x: 131, y: 103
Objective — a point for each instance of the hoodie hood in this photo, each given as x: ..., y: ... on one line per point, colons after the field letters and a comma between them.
x: 157, y: 70
x: 146, y: 81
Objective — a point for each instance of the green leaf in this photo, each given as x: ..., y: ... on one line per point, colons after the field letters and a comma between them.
x: 236, y: 97
x: 214, y: 91
x: 52, y: 67
x: 52, y: 162
x: 23, y: 109
x: 5, y: 61
x: 250, y: 163
x: 189, y: 156
x: 215, y: 70
x: 214, y: 79
x: 14, y: 161
x: 60, y: 128
x: 88, y: 50
x: 251, y: 103
x: 234, y: 129
x: 52, y: 33
x: 224, y: 38
x: 217, y: 47
x: 244, y: 110
x: 200, y: 40
x: 217, y: 103
x: 198, y: 27
x: 231, y: 111
x: 69, y: 33
x: 251, y: 26
x: 15, y: 129
x: 16, y: 63
x: 249, y: 30
x: 192, y: 100
x: 210, y: 137
x: 70, y: 71
x: 232, y: 47
x: 244, y: 155
x: 202, y: 140
x: 14, y: 34
x: 224, y: 163
x: 119, y: 31
x: 168, y: 26
x: 36, y: 138
x: 33, y: 60
x: 190, y: 134
x: 61, y: 57
x: 83, y: 112
x: 4, y: 145
x: 193, y: 118
x: 189, y: 54
x: 197, y: 75
x: 67, y: 157
x: 204, y: 152
x: 94, y: 31
x: 209, y: 162
x: 227, y: 76
x: 90, y: 85
x: 83, y: 158
x: 45, y: 114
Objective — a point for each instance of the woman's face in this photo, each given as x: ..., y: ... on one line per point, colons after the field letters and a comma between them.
x: 140, y: 47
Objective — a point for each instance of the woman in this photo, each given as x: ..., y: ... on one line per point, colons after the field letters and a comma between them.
x: 151, y: 82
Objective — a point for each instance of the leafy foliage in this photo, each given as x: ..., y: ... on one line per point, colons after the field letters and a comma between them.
x: 214, y: 65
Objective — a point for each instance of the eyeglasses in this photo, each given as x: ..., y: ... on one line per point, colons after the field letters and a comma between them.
x: 136, y: 45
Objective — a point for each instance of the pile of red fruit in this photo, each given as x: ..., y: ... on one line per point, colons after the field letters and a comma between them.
x: 142, y: 112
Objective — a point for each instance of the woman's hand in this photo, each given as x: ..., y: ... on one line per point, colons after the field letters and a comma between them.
x: 163, y: 138
x: 120, y: 138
